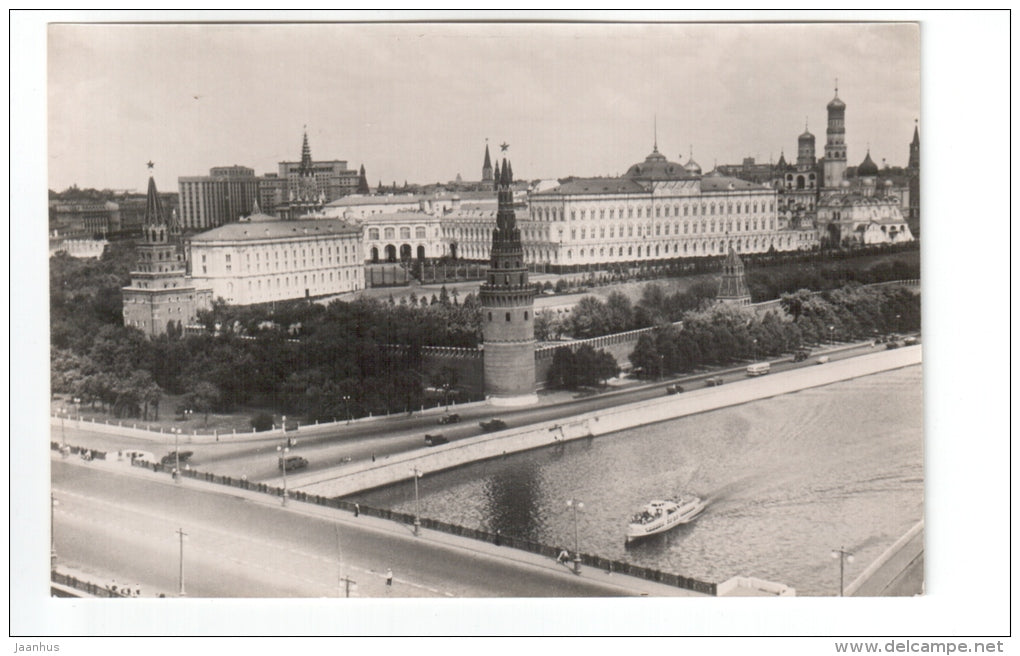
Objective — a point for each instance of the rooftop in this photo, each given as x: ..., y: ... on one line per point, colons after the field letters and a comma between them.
x: 263, y: 230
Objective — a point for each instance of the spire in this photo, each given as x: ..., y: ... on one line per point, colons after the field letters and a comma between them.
x: 495, y: 177
x: 153, y: 207
x: 487, y: 164
x: 655, y: 134
x: 306, y: 153
x: 917, y: 137
x: 363, y: 182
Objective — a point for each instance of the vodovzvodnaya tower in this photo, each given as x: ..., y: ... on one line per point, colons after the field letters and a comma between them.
x: 508, y: 313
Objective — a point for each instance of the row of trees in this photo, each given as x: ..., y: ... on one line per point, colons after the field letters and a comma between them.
x: 724, y: 333
x: 583, y: 367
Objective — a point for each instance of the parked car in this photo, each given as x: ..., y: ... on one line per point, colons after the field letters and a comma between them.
x: 449, y: 419
x: 434, y: 440
x: 291, y: 463
x: 674, y: 389
x: 139, y: 455
x: 492, y: 425
x: 910, y: 341
x: 171, y: 458
x: 801, y: 355
x: 714, y: 381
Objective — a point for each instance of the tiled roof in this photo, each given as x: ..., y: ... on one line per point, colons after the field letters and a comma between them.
x: 726, y: 183
x: 595, y: 186
x: 276, y: 230
x: 347, y: 201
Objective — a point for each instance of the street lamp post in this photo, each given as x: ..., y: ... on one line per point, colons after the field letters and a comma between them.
x: 754, y: 345
x: 347, y: 408
x: 416, y: 474
x: 576, y: 505
x: 180, y: 570
x: 832, y: 336
x: 283, y: 465
x: 63, y: 437
x: 177, y: 454
x: 53, y: 536
x: 77, y: 407
x: 846, y: 556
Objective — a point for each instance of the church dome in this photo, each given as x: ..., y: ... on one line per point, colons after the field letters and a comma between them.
x: 836, y: 103
x: 692, y: 167
x: 656, y: 167
x: 807, y: 136
x: 867, y: 168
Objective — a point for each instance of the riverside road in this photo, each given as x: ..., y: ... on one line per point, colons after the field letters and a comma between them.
x: 113, y: 523
x: 332, y: 446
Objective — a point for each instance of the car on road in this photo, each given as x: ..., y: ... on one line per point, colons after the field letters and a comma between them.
x: 674, y: 389
x: 144, y: 456
x: 822, y: 360
x: 492, y: 425
x: 892, y: 345
x: 291, y: 463
x: 910, y: 341
x: 435, y: 440
x: 801, y: 355
x: 714, y: 381
x: 172, y: 457
x: 449, y: 419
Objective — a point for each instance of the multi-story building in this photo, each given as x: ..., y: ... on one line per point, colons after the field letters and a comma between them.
x: 262, y: 259
x: 160, y: 295
x: 223, y: 196
x: 658, y: 211
x: 84, y: 220
x: 402, y: 236
x: 305, y: 186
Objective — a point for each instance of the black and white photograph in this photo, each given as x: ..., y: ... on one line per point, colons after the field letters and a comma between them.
x: 408, y: 318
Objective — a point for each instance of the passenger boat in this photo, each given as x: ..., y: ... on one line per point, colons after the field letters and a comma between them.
x: 662, y: 515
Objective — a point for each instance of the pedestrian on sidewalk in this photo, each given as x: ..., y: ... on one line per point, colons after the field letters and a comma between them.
x: 389, y: 576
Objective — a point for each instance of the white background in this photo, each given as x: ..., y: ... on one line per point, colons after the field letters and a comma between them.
x: 966, y: 142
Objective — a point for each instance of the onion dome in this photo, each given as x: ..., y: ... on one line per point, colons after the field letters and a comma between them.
x: 867, y: 167
x: 807, y: 136
x: 692, y: 167
x: 836, y: 103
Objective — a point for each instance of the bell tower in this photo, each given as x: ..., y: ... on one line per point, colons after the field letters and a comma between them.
x: 834, y: 169
x: 508, y: 313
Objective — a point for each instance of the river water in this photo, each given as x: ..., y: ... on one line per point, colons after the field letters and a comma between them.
x: 788, y: 479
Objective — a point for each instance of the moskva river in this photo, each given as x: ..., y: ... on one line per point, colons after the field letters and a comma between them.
x: 788, y: 479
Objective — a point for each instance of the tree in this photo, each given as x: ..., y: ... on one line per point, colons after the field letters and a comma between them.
x: 203, y: 397
x: 619, y: 315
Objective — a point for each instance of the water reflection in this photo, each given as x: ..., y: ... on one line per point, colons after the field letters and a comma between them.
x: 786, y: 479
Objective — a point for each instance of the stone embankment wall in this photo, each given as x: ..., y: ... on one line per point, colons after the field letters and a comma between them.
x: 395, y: 468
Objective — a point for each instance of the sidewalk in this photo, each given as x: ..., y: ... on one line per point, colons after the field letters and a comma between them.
x: 376, y: 588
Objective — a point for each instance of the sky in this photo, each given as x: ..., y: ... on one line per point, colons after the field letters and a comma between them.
x: 418, y: 101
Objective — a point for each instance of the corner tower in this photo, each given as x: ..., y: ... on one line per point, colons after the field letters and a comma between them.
x: 834, y: 168
x: 508, y: 313
x: 160, y: 297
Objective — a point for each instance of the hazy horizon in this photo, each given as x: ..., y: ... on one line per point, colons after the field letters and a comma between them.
x: 417, y: 101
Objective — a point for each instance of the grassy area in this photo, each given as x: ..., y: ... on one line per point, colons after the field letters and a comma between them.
x: 239, y: 420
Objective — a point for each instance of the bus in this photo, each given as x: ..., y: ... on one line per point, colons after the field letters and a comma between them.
x: 758, y: 369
